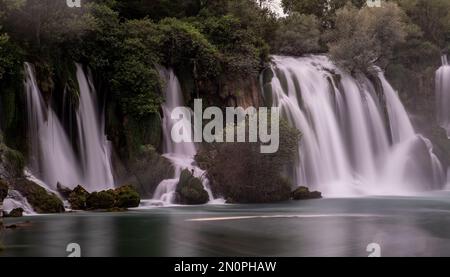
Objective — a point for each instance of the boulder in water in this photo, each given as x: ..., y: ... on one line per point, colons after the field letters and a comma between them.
x: 190, y: 190
x: 17, y: 212
x: 101, y: 200
x: 303, y: 193
x: 40, y: 199
x: 127, y: 197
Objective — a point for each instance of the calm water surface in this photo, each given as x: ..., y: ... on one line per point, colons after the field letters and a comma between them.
x: 402, y: 226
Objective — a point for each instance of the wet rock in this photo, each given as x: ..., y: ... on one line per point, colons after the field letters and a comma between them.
x: 127, y: 197
x: 17, y: 212
x: 78, y: 197
x: 190, y: 190
x: 303, y: 193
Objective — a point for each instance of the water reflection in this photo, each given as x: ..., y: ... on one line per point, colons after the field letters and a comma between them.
x: 331, y: 227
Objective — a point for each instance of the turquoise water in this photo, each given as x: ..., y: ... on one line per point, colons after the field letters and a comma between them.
x: 402, y: 226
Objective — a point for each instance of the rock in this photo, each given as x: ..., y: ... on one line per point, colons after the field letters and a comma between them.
x: 112, y: 200
x: 40, y: 199
x: 127, y: 197
x: 101, y: 200
x: 303, y: 193
x: 3, y: 190
x: 190, y: 190
x: 17, y: 212
x: 78, y: 197
x: 64, y: 191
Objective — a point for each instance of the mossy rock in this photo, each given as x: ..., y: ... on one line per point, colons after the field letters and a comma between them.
x: 303, y: 193
x: 127, y: 197
x: 101, y: 200
x: 41, y: 200
x: 17, y: 212
x: 78, y: 197
x: 190, y: 190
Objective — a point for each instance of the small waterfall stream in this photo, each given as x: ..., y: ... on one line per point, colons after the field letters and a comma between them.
x: 443, y: 95
x: 349, y: 145
x: 180, y: 154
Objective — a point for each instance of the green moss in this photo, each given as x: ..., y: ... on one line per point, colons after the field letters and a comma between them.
x: 78, y: 198
x: 41, y: 200
x: 101, y: 200
x: 127, y: 197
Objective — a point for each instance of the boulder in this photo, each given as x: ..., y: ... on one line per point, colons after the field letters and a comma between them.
x: 101, y: 200
x: 78, y: 197
x: 190, y: 190
x: 17, y: 212
x: 303, y: 193
x: 127, y: 197
x: 40, y: 199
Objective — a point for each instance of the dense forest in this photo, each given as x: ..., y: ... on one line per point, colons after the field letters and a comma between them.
x: 218, y: 49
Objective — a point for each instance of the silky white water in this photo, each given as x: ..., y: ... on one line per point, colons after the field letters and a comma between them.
x: 180, y: 154
x: 53, y: 157
x: 443, y: 95
x: 354, y: 141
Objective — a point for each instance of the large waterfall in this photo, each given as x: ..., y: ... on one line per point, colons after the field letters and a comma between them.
x: 53, y: 158
x: 357, y: 138
x: 443, y: 95
x: 180, y: 154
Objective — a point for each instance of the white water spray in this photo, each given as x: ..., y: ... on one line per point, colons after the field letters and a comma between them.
x: 349, y: 145
x: 180, y: 154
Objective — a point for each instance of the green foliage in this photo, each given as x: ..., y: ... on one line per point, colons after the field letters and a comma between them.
x: 240, y: 173
x: 242, y: 51
x: 297, y: 34
x: 325, y: 10
x: 185, y: 48
x: 367, y: 36
x: 127, y: 197
x: 100, y: 200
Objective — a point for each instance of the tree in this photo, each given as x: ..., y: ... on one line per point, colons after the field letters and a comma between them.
x: 297, y: 34
x: 365, y: 37
x: 324, y: 10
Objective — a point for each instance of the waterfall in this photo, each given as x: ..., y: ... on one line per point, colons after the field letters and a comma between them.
x: 94, y: 147
x: 443, y: 95
x: 182, y: 154
x: 53, y: 158
x: 354, y: 141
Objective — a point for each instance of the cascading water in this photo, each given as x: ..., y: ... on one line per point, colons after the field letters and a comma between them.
x: 443, y: 95
x: 180, y: 154
x: 349, y: 145
x: 94, y: 147
x: 53, y: 158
